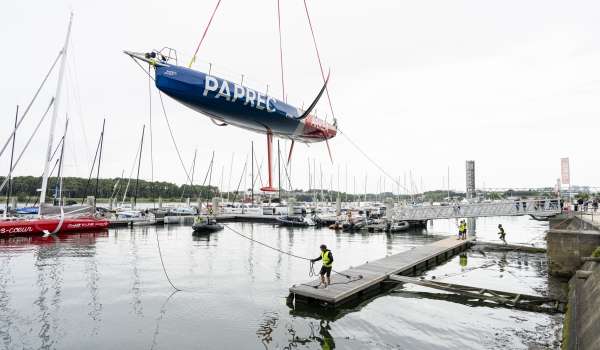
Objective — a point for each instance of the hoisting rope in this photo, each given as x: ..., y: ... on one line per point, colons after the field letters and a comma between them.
x: 204, y: 34
x: 319, y: 58
x: 280, y: 51
x: 311, y: 271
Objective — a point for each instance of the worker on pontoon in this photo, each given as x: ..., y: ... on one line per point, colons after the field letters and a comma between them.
x: 462, y: 230
x: 502, y: 233
x: 327, y: 259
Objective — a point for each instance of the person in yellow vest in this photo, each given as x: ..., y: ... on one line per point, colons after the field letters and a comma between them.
x: 327, y: 259
x: 464, y: 230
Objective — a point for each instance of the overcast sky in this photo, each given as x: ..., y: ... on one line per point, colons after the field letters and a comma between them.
x: 419, y: 85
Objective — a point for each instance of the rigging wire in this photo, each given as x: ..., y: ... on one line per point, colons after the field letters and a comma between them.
x: 241, y: 178
x: 371, y: 160
x: 137, y: 152
x: 27, y: 143
x: 32, y: 100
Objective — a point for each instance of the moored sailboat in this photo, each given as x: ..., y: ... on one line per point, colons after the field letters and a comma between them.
x: 50, y: 219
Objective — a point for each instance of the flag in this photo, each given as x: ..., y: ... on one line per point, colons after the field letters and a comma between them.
x: 565, y: 175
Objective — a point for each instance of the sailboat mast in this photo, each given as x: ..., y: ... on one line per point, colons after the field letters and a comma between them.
x: 137, y: 178
x: 99, y: 160
x: 55, y: 115
x: 60, y: 166
x: 252, y: 172
x: 12, y: 153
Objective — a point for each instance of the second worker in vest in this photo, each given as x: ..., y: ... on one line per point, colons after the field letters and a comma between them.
x: 327, y: 259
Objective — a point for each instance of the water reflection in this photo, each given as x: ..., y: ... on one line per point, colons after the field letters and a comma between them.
x: 266, y: 328
x: 161, y: 315
x: 7, y: 314
x: 92, y: 283
x: 136, y: 289
x: 101, y: 284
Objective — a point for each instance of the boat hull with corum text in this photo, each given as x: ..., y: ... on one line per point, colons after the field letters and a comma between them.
x: 35, y: 227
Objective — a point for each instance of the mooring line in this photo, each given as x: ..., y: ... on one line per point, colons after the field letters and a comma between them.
x: 311, y: 270
x: 163, y: 263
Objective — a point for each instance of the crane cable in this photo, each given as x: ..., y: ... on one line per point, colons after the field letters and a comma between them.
x: 204, y: 34
x: 319, y: 58
x: 280, y: 51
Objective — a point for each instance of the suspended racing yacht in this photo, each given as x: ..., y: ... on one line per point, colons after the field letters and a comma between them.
x: 229, y: 103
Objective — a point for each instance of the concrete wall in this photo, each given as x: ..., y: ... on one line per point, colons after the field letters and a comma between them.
x: 582, y: 321
x: 567, y: 241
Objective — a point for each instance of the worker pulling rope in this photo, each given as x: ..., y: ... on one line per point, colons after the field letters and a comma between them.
x: 311, y: 270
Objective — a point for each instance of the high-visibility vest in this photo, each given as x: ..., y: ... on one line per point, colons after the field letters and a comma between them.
x: 325, y: 258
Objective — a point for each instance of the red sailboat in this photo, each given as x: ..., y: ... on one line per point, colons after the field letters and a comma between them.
x: 50, y: 219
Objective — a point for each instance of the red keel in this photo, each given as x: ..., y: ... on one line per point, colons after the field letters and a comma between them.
x: 269, y: 187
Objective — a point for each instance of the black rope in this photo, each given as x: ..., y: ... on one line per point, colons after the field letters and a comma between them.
x: 264, y: 244
x: 163, y: 263
x: 311, y: 272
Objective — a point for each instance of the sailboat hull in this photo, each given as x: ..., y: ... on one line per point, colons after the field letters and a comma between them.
x: 35, y: 227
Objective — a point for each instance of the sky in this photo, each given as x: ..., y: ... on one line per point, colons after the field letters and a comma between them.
x: 419, y: 86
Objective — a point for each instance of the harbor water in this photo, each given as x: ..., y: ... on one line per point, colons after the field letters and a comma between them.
x: 108, y: 291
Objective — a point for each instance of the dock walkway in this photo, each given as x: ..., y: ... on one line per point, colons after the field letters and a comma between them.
x: 370, y: 276
x: 537, y: 208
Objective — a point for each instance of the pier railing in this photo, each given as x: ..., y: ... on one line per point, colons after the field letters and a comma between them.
x: 540, y: 208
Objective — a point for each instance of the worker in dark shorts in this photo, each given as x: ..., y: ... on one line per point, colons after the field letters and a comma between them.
x: 501, y: 233
x: 327, y: 259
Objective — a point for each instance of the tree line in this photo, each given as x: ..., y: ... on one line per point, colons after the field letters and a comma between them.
x: 25, y: 187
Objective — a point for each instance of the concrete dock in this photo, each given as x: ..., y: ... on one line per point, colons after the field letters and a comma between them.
x: 368, y: 278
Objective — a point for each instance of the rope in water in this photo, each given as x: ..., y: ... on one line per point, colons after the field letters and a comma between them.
x: 163, y: 263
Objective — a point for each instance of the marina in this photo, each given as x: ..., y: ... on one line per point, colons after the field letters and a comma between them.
x: 109, y: 284
x: 153, y: 196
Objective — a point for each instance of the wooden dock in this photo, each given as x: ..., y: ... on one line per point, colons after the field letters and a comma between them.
x: 367, y: 279
x: 508, y: 299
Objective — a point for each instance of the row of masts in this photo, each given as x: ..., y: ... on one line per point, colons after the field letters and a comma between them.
x: 283, y: 169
